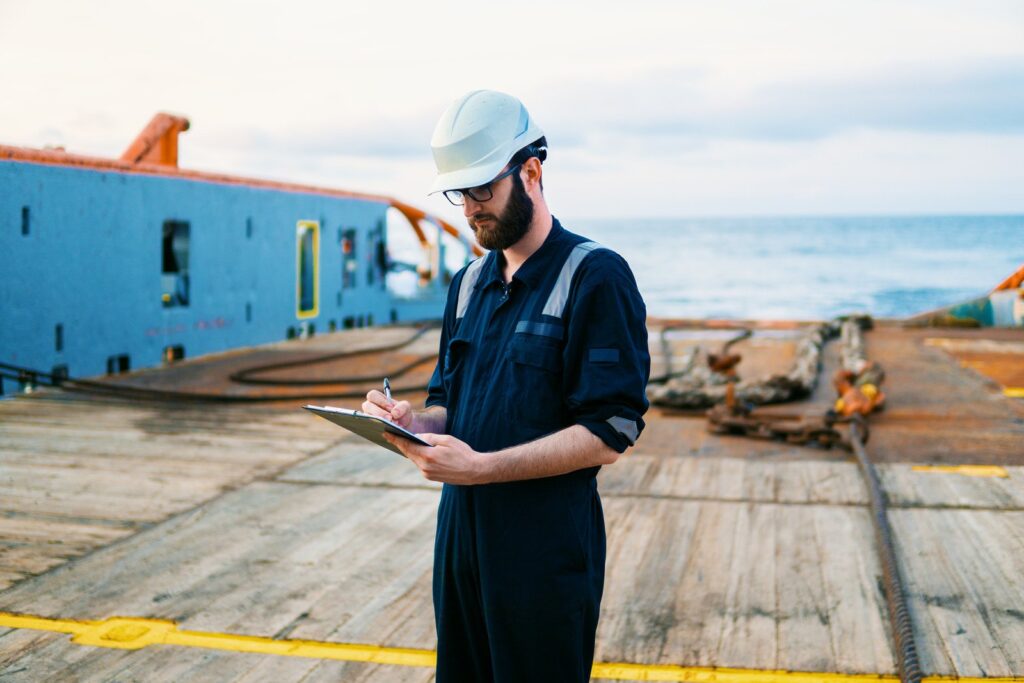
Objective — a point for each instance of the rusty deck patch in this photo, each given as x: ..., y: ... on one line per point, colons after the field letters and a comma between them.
x: 1002, y: 361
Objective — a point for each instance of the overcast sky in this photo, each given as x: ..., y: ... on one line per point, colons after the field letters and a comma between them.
x: 669, y: 108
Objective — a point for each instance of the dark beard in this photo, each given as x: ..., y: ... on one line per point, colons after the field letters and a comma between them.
x: 513, y: 223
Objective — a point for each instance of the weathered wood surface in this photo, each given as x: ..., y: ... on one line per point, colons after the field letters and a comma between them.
x: 791, y: 481
x: 78, y: 474
x: 967, y: 599
x: 722, y: 551
x: 721, y: 564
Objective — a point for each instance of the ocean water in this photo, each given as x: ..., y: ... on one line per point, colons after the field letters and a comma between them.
x: 811, y: 268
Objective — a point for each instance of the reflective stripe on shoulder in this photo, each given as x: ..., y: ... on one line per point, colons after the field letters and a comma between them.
x: 626, y: 427
x: 560, y: 293
x: 469, y: 279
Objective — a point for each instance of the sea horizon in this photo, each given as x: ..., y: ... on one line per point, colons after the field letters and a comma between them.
x: 805, y: 267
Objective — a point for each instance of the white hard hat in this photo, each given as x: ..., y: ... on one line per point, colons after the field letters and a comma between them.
x: 477, y: 136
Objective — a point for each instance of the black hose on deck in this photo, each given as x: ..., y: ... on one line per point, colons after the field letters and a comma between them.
x: 899, y: 615
x: 246, y: 376
x: 130, y: 392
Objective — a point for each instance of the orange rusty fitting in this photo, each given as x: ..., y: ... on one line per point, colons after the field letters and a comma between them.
x: 861, y: 399
x: 158, y: 141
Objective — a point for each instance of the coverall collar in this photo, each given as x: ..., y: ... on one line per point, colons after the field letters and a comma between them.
x: 533, y: 269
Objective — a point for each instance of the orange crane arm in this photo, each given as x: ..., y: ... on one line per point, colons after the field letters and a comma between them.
x: 158, y: 141
x: 414, y: 216
x: 1012, y: 282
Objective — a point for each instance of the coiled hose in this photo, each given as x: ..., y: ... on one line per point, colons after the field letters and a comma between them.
x: 113, y: 390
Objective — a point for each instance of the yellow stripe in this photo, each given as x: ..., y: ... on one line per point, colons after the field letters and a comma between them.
x: 1014, y: 392
x: 697, y: 674
x: 968, y: 470
x: 132, y: 633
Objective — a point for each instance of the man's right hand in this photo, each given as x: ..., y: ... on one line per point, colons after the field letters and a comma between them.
x: 378, y: 404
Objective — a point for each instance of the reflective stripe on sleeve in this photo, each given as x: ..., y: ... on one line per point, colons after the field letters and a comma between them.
x: 627, y: 428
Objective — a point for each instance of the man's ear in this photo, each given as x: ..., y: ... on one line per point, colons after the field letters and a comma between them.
x: 532, y: 173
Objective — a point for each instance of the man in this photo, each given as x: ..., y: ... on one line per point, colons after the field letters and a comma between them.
x: 539, y: 382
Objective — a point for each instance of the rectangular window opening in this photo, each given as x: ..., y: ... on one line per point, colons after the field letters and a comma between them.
x: 307, y: 269
x: 59, y: 373
x: 118, y: 364
x: 58, y: 337
x: 173, y: 353
x: 25, y: 220
x: 174, y: 263
x: 349, y: 263
x: 376, y: 268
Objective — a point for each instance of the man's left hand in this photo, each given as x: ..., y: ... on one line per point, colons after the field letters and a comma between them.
x: 447, y: 460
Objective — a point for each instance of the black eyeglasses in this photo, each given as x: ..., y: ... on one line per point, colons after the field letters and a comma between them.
x: 480, y: 193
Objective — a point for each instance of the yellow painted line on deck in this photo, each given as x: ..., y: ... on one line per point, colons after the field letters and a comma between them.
x: 967, y: 470
x: 133, y: 633
x: 1014, y: 392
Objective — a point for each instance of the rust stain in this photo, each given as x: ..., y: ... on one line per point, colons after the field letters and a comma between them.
x: 1000, y: 361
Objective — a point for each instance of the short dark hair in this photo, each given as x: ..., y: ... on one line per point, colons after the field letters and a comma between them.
x: 538, y: 148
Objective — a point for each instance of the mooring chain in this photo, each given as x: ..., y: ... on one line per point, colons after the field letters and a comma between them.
x: 858, y: 388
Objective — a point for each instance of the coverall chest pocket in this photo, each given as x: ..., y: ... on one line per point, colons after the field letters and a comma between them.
x: 535, y: 371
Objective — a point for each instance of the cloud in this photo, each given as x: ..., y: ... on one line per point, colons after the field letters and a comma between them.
x: 394, y: 138
x: 678, y: 111
x: 982, y: 97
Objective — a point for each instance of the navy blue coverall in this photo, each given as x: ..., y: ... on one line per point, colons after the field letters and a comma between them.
x: 519, y: 566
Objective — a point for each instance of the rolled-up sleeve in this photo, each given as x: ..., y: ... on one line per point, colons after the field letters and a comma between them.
x: 607, y: 362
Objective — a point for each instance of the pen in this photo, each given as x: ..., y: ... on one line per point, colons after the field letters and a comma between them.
x: 387, y: 389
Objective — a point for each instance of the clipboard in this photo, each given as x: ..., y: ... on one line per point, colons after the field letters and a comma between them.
x: 370, y: 427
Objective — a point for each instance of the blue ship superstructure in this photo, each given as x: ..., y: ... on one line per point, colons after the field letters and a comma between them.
x: 110, y: 265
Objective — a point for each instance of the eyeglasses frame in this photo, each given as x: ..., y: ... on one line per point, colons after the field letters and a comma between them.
x: 470, y: 191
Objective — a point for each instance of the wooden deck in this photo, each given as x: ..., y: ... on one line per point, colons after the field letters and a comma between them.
x: 723, y: 552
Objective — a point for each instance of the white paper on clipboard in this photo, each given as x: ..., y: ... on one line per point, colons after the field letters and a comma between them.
x: 370, y: 427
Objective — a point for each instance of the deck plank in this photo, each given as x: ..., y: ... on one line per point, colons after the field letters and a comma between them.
x: 857, y: 616
x: 964, y: 593
x: 748, y: 638
x: 735, y: 479
x: 803, y: 614
x: 358, y: 462
x: 907, y: 487
x: 645, y: 548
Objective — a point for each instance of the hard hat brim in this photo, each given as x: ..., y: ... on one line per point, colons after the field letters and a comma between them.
x: 466, y: 177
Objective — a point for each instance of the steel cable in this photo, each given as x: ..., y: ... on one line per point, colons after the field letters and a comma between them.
x: 895, y: 598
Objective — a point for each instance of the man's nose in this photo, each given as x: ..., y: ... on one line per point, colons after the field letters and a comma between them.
x: 471, y: 207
